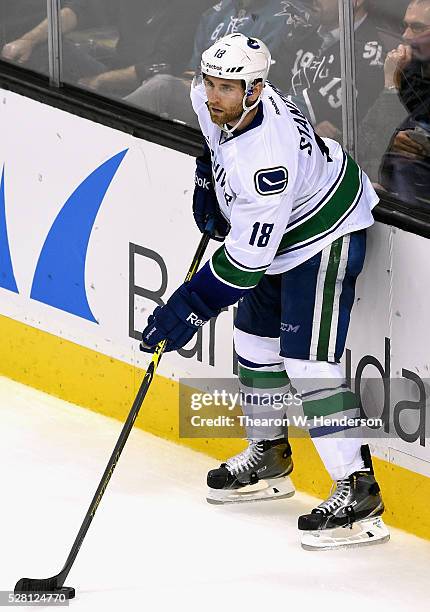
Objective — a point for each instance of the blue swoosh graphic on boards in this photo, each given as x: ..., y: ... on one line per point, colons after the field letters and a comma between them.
x: 59, y: 280
x: 7, y: 277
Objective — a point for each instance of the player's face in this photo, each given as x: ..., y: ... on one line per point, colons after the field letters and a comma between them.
x: 225, y: 98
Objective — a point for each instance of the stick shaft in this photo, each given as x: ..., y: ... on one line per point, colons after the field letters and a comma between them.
x: 125, y: 432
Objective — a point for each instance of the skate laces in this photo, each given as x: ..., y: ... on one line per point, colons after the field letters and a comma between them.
x: 338, y: 498
x: 247, y: 459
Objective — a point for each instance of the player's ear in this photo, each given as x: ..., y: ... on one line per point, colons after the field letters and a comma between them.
x: 254, y: 91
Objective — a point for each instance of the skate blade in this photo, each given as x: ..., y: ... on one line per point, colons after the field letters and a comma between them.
x: 362, y: 533
x: 272, y: 488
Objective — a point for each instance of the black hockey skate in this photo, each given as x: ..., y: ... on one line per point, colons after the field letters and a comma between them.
x: 259, y: 472
x: 351, y: 516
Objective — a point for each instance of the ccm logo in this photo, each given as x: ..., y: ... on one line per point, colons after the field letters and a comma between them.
x: 194, y: 320
x: 287, y: 327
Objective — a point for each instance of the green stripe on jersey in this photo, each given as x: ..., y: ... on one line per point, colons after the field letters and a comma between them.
x: 333, y: 210
x: 232, y: 274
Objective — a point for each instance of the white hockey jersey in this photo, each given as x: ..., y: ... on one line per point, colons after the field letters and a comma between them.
x: 286, y: 192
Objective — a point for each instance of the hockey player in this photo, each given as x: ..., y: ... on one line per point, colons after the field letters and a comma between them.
x: 168, y: 95
x: 294, y: 208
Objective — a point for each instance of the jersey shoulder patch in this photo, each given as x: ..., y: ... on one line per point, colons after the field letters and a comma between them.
x: 271, y: 181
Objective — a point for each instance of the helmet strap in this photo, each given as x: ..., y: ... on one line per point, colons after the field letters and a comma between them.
x: 246, y: 110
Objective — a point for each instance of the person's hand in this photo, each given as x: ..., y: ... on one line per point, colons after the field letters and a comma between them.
x: 18, y: 51
x: 408, y: 147
x: 325, y: 129
x: 177, y: 321
x: 395, y: 62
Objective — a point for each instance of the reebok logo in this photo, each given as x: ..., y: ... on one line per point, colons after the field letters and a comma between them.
x: 149, y: 334
x: 194, y: 320
x: 213, y: 66
x: 202, y: 182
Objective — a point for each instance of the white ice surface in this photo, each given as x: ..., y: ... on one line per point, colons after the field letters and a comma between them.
x: 155, y: 544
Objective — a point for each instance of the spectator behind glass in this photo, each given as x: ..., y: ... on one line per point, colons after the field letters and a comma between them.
x: 169, y: 96
x: 154, y: 37
x: 24, y: 34
x: 315, y: 67
x: 387, y: 112
x: 388, y: 15
x: 405, y: 167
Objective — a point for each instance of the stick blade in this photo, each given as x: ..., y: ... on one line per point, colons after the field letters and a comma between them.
x: 43, y: 585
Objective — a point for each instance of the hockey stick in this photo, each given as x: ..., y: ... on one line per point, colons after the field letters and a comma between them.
x: 54, y: 585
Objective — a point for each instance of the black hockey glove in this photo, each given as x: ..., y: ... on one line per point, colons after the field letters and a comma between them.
x: 205, y: 205
x: 177, y: 321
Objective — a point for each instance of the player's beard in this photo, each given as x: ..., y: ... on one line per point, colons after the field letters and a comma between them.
x: 227, y: 117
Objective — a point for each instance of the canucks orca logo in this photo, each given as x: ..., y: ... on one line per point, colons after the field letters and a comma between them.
x: 253, y: 43
x: 271, y: 180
